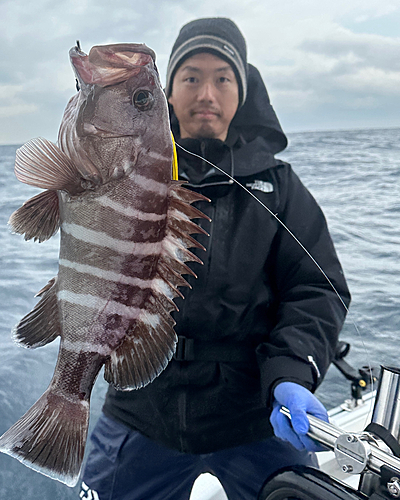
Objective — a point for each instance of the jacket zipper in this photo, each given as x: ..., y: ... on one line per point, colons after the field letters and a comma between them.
x: 315, y: 366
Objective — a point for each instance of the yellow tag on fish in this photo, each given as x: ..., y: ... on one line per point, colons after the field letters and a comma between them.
x: 174, y: 160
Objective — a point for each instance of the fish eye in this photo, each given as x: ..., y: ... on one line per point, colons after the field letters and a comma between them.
x: 143, y: 99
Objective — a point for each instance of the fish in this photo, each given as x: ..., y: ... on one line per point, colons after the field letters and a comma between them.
x: 125, y: 232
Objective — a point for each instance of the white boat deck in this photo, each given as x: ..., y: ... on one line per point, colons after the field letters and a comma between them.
x: 207, y: 487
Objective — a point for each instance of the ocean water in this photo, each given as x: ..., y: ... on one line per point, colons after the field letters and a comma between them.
x: 354, y: 175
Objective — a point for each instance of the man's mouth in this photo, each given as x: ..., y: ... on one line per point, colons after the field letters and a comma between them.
x: 205, y: 113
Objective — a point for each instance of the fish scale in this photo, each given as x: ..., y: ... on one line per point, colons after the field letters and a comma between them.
x: 124, y: 242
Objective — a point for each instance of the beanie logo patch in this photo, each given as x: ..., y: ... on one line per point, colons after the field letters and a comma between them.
x: 228, y: 49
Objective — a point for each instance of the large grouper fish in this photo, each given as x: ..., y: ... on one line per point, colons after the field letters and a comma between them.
x: 125, y: 226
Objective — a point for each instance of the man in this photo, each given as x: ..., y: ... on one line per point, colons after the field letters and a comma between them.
x: 260, y: 326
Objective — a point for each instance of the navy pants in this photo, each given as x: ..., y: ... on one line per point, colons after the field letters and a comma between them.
x: 125, y: 465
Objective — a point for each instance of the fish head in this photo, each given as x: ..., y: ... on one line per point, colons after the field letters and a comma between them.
x: 120, y: 112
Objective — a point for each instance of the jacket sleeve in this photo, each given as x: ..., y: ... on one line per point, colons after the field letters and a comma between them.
x: 309, y: 313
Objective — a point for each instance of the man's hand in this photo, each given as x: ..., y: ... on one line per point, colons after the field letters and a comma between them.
x: 299, y: 401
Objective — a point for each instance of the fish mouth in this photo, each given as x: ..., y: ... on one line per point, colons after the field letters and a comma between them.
x: 110, y: 64
x: 138, y: 48
x: 118, y: 55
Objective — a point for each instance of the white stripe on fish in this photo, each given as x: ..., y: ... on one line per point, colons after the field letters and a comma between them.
x: 128, y: 211
x: 78, y: 347
x: 157, y: 156
x: 106, y: 306
x: 153, y: 154
x: 106, y: 275
x: 155, y: 284
x: 147, y: 184
x: 104, y: 240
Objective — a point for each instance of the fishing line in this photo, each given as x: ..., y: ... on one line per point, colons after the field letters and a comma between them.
x: 301, y: 246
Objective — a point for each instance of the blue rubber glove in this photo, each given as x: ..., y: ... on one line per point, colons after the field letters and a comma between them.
x: 299, y: 401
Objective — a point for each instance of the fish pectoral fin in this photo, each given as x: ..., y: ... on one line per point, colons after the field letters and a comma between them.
x: 42, y: 164
x: 143, y: 355
x: 50, y: 438
x: 42, y: 325
x: 38, y: 218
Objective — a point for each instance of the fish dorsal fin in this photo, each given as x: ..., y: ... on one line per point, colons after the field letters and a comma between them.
x: 38, y: 218
x: 42, y: 164
x: 147, y: 349
x: 42, y: 325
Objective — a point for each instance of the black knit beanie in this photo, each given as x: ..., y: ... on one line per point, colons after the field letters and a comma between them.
x: 217, y: 35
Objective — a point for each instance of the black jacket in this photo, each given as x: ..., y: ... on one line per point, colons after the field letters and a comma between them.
x: 260, y: 310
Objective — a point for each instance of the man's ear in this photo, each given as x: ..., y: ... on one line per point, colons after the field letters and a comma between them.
x: 171, y: 99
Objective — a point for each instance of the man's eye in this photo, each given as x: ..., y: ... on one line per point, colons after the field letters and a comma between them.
x: 143, y: 99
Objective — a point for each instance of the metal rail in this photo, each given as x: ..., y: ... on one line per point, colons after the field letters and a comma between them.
x: 359, y: 449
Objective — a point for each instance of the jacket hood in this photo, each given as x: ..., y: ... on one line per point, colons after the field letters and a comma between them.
x: 255, y: 134
x: 257, y: 118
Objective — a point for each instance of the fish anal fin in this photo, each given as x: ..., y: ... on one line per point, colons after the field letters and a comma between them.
x: 42, y: 325
x: 143, y: 355
x: 42, y: 164
x: 50, y: 438
x: 38, y: 218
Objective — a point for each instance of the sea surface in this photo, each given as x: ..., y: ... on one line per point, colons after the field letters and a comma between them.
x: 353, y: 174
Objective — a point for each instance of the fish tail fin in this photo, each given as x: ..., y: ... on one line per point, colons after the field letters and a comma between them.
x: 50, y: 438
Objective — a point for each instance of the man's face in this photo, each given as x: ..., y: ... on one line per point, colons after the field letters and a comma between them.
x: 205, y: 96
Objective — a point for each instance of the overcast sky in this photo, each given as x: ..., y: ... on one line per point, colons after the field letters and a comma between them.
x: 328, y: 64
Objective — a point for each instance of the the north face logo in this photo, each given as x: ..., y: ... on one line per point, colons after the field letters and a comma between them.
x: 265, y: 187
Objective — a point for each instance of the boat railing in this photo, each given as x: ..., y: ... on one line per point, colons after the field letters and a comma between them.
x: 373, y: 454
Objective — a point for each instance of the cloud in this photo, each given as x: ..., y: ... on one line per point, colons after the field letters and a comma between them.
x: 311, y: 57
x: 366, y: 64
x: 12, y: 103
x: 16, y: 109
x: 378, y: 12
x: 341, y: 70
x: 371, y: 50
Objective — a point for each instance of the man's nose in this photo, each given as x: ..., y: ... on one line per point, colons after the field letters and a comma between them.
x: 207, y: 92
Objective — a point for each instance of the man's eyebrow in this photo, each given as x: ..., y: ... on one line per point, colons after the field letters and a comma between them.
x: 191, y: 68
x: 198, y: 70
x: 228, y: 67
